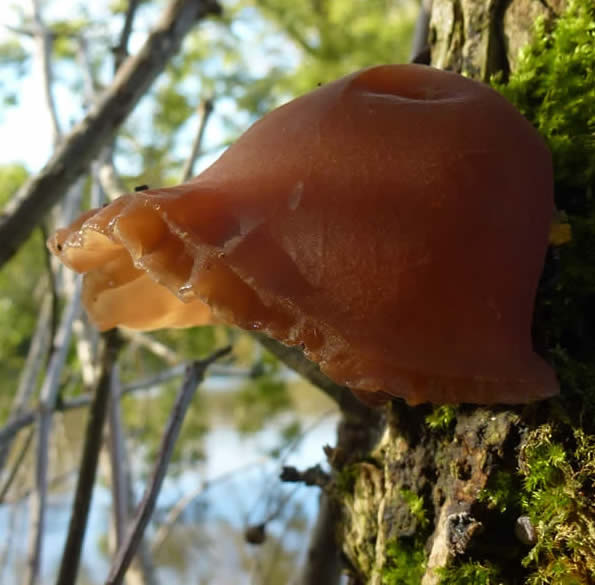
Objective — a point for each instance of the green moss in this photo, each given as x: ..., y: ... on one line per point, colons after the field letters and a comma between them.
x: 442, y: 418
x: 554, y: 88
x: 345, y: 479
x: 405, y: 562
x: 406, y: 556
x: 470, y: 573
x: 501, y: 492
x: 559, y: 480
x: 416, y: 507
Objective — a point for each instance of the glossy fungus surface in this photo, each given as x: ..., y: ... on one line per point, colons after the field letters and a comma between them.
x: 393, y: 223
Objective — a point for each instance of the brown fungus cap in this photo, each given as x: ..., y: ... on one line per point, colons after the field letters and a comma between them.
x: 393, y: 222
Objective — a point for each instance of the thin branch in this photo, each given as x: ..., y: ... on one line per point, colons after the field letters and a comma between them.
x: 88, y: 468
x: 293, y: 358
x: 205, y: 110
x: 26, y: 419
x: 28, y: 380
x: 108, y: 175
x: 169, y: 356
x: 121, y: 50
x: 313, y: 476
x: 117, y: 453
x: 54, y: 482
x: 177, y: 510
x: 48, y: 396
x: 122, y: 491
x: 323, y: 559
x: 17, y: 465
x: 27, y: 31
x: 194, y: 375
x: 103, y: 170
x: 43, y: 44
x: 419, y: 46
x: 97, y: 129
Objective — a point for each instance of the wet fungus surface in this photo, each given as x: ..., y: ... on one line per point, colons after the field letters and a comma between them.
x: 393, y: 222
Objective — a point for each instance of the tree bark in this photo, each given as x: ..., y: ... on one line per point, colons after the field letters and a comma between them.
x: 421, y: 506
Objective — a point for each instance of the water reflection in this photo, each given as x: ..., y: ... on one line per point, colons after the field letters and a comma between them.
x: 205, y: 508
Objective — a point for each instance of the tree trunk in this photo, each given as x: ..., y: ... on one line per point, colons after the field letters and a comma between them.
x: 476, y: 495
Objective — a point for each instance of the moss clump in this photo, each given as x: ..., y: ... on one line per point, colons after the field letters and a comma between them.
x: 416, y: 507
x: 470, y: 573
x: 554, y: 88
x: 406, y: 556
x: 558, y: 496
x: 405, y: 562
x: 345, y: 479
x: 442, y: 418
x: 501, y: 492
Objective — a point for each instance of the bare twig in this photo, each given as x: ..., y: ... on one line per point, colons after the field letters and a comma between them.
x: 88, y: 468
x: 17, y: 465
x: 121, y: 50
x: 194, y: 376
x: 48, y: 395
x: 117, y: 452
x: 122, y: 491
x: 97, y: 129
x: 108, y: 175
x: 104, y: 171
x: 205, y: 110
x: 420, y: 46
x: 28, y: 380
x: 43, y: 44
x: 27, y: 418
x: 313, y: 476
x: 176, y: 511
x: 323, y: 561
x: 295, y: 359
x: 53, y: 482
x: 169, y: 356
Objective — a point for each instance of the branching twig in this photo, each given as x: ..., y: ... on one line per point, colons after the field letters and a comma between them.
x: 25, y: 419
x: 97, y: 129
x: 88, y: 468
x: 28, y: 381
x: 194, y: 376
x: 176, y: 511
x: 43, y: 42
x: 157, y: 348
x: 48, y: 395
x: 204, y: 111
x: 121, y: 50
x: 313, y: 476
x: 17, y: 465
